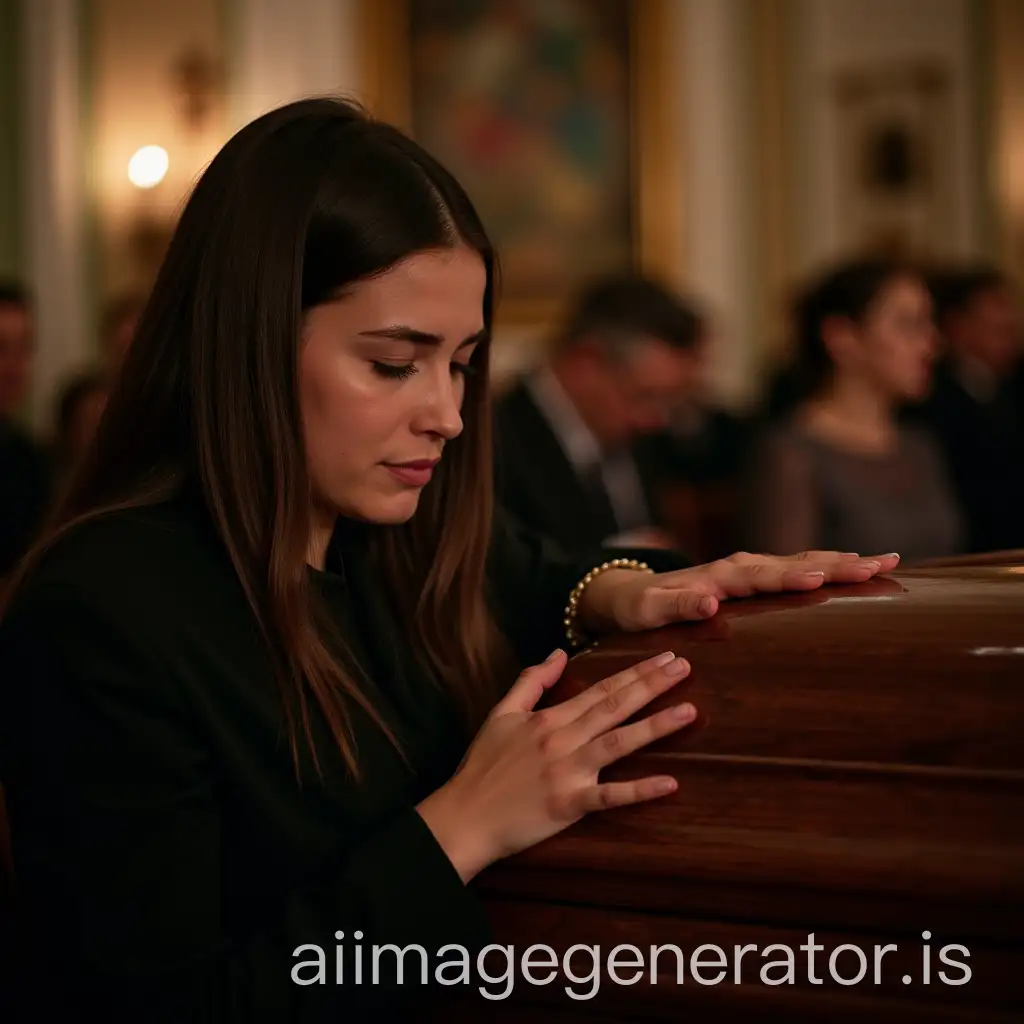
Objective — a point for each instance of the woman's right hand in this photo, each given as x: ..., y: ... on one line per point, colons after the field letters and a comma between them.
x: 529, y: 774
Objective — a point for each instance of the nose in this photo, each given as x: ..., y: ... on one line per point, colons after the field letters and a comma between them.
x: 440, y: 413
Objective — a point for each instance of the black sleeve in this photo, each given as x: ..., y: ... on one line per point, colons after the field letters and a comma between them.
x: 530, y: 579
x: 120, y: 849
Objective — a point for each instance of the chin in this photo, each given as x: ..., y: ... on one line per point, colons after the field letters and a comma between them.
x: 919, y: 393
x: 908, y: 390
x: 390, y: 509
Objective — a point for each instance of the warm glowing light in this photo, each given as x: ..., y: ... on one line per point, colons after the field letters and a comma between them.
x: 148, y: 166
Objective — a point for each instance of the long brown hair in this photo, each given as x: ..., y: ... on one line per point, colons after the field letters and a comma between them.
x: 300, y: 203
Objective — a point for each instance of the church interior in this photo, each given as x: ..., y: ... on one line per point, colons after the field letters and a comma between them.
x: 756, y: 294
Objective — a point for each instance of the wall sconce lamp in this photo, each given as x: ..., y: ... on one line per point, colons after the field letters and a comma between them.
x: 148, y: 166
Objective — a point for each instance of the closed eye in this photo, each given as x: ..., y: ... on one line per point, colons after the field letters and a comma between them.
x: 393, y: 372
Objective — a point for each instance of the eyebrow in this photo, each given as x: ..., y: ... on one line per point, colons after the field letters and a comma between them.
x: 403, y: 333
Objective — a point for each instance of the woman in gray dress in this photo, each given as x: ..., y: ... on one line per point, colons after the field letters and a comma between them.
x: 839, y: 469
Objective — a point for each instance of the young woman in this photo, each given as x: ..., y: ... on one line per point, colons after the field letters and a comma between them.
x: 839, y: 469
x: 271, y: 679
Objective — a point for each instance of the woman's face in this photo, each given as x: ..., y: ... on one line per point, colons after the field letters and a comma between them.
x: 381, y: 382
x: 895, y: 344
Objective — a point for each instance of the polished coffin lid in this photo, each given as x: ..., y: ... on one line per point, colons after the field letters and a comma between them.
x: 857, y: 769
x: 923, y: 669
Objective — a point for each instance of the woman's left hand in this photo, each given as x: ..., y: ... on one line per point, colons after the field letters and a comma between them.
x: 631, y: 601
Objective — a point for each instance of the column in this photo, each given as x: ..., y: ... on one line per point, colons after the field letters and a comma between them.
x: 54, y: 193
x: 720, y: 183
x: 290, y: 49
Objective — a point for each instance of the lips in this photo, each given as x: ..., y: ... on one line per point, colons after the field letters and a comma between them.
x: 413, y: 474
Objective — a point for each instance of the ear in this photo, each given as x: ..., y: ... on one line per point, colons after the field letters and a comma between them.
x: 840, y: 338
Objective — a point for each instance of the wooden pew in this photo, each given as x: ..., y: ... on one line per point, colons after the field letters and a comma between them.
x: 857, y: 773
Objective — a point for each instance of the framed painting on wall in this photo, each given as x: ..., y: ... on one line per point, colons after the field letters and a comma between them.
x: 896, y: 153
x: 556, y: 117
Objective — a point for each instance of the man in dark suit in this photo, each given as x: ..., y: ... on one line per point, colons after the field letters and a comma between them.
x: 976, y: 409
x: 570, y: 461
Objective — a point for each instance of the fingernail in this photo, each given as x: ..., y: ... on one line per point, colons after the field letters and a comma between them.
x: 676, y: 668
x: 870, y: 563
x: 684, y: 711
x: 663, y: 659
x: 813, y: 575
x: 665, y: 785
x: 706, y: 605
x: 553, y: 655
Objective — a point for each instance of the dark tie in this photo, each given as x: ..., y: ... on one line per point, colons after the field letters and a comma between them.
x: 626, y: 492
x: 599, y: 506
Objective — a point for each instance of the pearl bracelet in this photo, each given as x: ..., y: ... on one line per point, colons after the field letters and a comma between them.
x: 572, y: 635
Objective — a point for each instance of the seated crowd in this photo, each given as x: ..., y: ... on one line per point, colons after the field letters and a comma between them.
x: 897, y: 424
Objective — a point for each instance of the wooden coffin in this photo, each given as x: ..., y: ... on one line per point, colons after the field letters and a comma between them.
x: 856, y: 774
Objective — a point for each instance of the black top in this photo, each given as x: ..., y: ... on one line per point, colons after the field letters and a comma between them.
x: 170, y: 862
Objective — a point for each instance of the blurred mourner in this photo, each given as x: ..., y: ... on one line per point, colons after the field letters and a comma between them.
x: 569, y: 457
x: 976, y: 409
